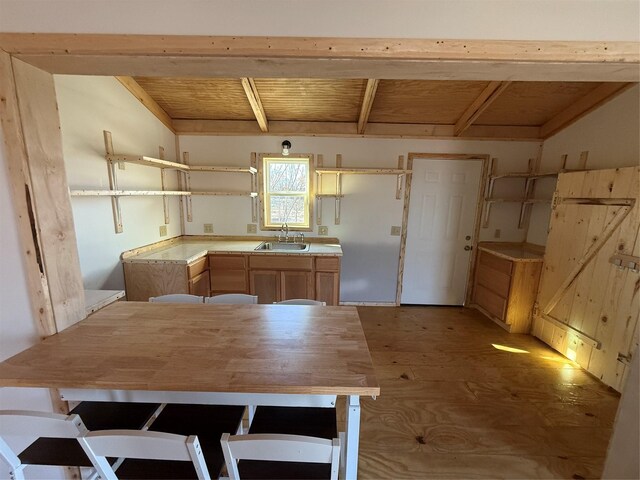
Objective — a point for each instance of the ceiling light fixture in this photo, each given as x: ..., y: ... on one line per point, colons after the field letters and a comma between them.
x: 286, y: 146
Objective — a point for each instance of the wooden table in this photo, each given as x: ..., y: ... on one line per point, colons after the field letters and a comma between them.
x: 213, y: 354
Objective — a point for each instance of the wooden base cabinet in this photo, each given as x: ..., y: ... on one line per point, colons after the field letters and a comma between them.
x: 505, y: 290
x: 228, y: 274
x: 144, y: 280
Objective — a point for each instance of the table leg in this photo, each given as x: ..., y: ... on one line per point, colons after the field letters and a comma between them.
x: 353, y: 437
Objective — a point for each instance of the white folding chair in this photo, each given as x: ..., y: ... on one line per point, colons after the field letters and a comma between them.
x: 280, y: 456
x: 177, y: 298
x: 147, y: 446
x: 233, y: 298
x: 301, y: 301
x: 34, y: 425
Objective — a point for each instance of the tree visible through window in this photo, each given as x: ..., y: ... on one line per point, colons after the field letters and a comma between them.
x: 286, y: 192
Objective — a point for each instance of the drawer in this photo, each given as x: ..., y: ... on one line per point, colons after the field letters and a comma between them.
x: 500, y: 264
x: 227, y: 262
x: 197, y: 267
x: 289, y: 262
x: 491, y: 302
x: 327, y: 264
x: 494, y: 280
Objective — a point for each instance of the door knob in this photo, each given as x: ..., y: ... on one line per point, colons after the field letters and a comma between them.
x: 468, y: 247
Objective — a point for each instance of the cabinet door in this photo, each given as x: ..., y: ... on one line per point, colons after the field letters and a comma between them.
x: 228, y: 274
x: 328, y: 287
x: 265, y: 284
x: 296, y: 284
x: 199, y: 285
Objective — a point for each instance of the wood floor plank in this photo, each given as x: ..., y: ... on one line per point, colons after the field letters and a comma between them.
x: 462, y: 398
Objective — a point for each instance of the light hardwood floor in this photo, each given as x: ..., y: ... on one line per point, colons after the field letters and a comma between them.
x: 454, y: 406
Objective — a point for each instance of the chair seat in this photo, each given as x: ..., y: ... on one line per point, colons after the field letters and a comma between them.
x: 208, y: 422
x: 261, y: 469
x: 96, y: 416
x: 307, y: 421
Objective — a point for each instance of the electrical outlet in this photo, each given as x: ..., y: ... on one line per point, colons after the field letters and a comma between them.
x: 396, y: 231
x: 322, y: 230
x: 122, y: 165
x: 252, y: 228
x: 163, y: 230
x: 496, y: 234
x: 208, y: 228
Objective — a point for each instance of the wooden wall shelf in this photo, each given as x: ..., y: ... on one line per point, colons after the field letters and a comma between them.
x: 339, y: 171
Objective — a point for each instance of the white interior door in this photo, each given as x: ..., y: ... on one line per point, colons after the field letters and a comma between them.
x: 442, y: 213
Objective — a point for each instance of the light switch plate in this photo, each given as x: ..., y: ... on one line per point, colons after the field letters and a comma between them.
x: 252, y: 228
x: 122, y: 165
x: 496, y: 234
x: 208, y: 228
x: 163, y: 230
x: 396, y: 231
x: 322, y: 230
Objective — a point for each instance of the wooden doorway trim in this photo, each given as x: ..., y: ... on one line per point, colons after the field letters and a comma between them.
x: 405, y: 212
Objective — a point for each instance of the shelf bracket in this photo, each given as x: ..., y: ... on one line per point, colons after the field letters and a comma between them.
x: 113, y: 182
x: 319, y: 164
x: 399, y: 179
x: 163, y: 183
x: 338, y: 190
x: 187, y: 185
x: 254, y: 188
x: 487, y: 214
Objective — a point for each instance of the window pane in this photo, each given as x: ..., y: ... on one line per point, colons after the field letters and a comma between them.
x: 287, y: 209
x: 287, y: 177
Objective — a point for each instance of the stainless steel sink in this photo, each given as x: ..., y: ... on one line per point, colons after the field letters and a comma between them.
x: 283, y: 246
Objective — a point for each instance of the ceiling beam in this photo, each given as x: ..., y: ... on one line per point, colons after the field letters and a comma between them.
x: 479, y: 105
x: 145, y: 99
x: 367, y: 103
x: 592, y: 100
x: 254, y: 100
x: 350, y: 129
x: 303, y: 57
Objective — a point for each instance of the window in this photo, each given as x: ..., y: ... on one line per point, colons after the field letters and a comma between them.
x: 286, y: 192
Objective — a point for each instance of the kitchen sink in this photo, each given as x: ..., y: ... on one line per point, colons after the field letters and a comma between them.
x: 283, y: 246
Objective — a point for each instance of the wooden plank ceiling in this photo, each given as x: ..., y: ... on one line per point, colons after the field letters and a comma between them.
x: 389, y: 108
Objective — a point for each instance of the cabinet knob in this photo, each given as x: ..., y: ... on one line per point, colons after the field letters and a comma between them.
x: 468, y: 247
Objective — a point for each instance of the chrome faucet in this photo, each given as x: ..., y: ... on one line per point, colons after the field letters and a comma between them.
x: 284, y: 231
x: 301, y: 235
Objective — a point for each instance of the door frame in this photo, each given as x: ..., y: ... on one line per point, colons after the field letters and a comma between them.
x: 476, y: 229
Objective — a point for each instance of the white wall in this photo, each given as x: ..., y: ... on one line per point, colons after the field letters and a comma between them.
x: 18, y: 329
x: 89, y: 105
x: 369, y: 208
x: 487, y: 19
x: 611, y: 136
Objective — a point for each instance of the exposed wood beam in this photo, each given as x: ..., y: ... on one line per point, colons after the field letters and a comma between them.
x: 145, y: 99
x: 350, y: 129
x: 295, y: 57
x: 254, y: 100
x: 367, y: 103
x: 597, y: 97
x: 479, y: 105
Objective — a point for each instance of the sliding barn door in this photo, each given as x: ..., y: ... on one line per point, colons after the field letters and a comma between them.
x: 588, y: 300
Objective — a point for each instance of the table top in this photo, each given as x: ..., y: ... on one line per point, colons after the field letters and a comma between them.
x: 286, y: 349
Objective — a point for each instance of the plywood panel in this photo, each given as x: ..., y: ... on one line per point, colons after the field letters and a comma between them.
x: 422, y: 101
x: 533, y: 103
x: 204, y: 98
x: 305, y: 99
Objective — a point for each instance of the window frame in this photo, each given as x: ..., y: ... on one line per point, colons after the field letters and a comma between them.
x: 262, y: 194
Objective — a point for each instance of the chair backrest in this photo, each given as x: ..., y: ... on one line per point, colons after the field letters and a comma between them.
x: 177, y: 298
x: 33, y: 425
x: 142, y: 445
x: 279, y: 448
x: 301, y: 301
x: 232, y: 298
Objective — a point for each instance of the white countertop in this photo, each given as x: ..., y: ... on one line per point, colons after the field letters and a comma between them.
x: 189, y: 251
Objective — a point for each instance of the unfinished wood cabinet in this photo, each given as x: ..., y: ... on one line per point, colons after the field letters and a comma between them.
x: 228, y: 273
x: 327, y: 280
x: 275, y: 278
x: 505, y: 290
x: 144, y: 280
